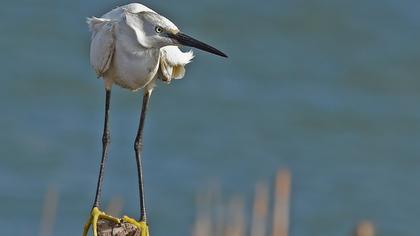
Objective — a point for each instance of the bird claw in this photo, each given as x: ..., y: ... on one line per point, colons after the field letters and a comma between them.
x: 95, y: 215
x: 141, y: 225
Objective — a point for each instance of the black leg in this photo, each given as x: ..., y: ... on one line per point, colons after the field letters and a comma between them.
x: 138, y: 148
x: 105, y: 143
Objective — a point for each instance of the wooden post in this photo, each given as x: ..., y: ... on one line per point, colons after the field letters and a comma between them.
x: 106, y: 228
x: 365, y: 228
x: 49, y: 212
x: 282, y: 204
x: 259, y: 217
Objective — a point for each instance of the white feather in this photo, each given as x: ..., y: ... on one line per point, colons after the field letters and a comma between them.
x: 102, y: 45
x: 175, y: 57
x: 172, y: 63
x: 119, y: 56
x: 117, y: 12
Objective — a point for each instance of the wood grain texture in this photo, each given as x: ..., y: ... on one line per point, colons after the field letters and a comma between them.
x: 106, y: 228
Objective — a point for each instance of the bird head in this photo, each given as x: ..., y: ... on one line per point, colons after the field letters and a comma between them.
x: 156, y: 31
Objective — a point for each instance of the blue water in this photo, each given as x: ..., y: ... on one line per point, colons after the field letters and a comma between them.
x: 328, y: 89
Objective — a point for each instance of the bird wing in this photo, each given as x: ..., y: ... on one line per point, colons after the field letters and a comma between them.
x: 172, y: 63
x: 102, y: 45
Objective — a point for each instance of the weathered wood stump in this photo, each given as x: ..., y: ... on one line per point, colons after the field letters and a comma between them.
x: 106, y: 228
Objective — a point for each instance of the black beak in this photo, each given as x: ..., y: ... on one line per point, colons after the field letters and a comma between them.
x: 186, y: 40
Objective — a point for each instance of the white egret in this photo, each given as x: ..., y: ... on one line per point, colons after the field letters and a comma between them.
x: 133, y: 46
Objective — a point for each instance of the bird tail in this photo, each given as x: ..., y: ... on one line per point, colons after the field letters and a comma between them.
x: 94, y: 23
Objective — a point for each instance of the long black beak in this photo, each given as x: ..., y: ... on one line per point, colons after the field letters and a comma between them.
x: 189, y: 41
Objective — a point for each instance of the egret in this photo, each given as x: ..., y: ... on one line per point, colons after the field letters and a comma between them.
x: 133, y: 47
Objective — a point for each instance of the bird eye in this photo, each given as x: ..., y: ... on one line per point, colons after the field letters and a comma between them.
x: 158, y: 29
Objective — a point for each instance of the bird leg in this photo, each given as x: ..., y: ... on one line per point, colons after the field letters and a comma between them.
x: 96, y: 214
x: 138, y: 145
x: 141, y: 225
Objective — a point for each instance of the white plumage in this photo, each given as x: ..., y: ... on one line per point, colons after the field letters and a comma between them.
x: 123, y: 52
x: 133, y: 46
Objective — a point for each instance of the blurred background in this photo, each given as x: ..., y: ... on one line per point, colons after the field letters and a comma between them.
x: 327, y: 89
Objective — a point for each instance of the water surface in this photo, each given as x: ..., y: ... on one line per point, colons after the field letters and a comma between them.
x: 328, y: 89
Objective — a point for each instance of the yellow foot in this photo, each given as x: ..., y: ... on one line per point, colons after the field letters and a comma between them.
x: 95, y: 215
x: 141, y: 225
